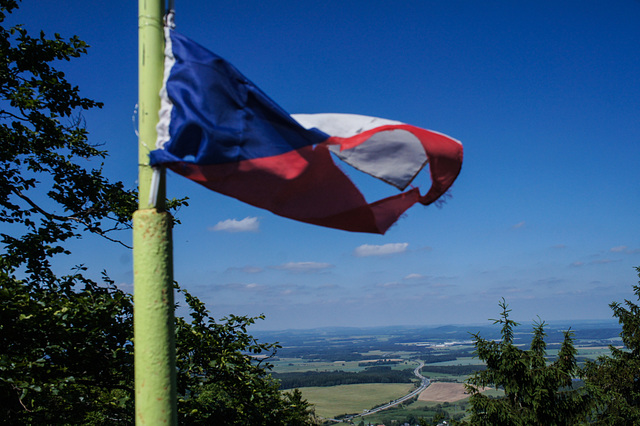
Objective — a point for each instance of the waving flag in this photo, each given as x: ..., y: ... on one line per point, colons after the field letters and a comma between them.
x: 220, y: 130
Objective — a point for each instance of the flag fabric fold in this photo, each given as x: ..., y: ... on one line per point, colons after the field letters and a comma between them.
x: 220, y: 130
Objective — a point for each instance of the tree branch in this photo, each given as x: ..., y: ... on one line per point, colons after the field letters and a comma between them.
x: 3, y: 112
x: 19, y: 391
x: 52, y: 216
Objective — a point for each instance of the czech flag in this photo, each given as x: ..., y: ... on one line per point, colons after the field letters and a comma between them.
x: 220, y: 130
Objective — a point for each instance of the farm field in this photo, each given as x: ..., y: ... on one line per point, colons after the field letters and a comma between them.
x: 444, y: 392
x: 466, y: 360
x: 445, y: 399
x: 333, y: 401
x: 450, y: 392
x: 296, y: 365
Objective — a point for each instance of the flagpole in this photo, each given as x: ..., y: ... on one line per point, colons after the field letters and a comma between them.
x: 154, y: 341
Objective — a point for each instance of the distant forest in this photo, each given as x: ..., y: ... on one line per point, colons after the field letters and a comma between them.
x: 456, y: 370
x: 334, y: 378
x: 358, y: 352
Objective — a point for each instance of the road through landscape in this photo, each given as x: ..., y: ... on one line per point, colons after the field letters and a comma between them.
x: 424, y: 383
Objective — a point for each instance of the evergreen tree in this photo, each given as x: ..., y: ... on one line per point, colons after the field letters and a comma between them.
x: 535, y: 392
x: 614, y: 380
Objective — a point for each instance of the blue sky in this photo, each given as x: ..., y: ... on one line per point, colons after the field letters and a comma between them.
x: 544, y: 96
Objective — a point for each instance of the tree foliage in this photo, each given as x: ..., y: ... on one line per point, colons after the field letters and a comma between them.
x: 66, y: 352
x: 47, y: 184
x: 614, y: 380
x: 66, y: 358
x: 64, y: 341
x: 223, y: 375
x: 376, y: 374
x: 536, y: 392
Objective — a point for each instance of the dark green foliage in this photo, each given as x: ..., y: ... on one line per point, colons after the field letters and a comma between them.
x: 47, y: 182
x: 221, y: 382
x: 536, y: 393
x: 65, y: 346
x: 437, y: 418
x: 614, y: 380
x: 432, y: 359
x: 66, y: 352
x: 334, y: 378
x: 66, y: 358
x: 455, y: 370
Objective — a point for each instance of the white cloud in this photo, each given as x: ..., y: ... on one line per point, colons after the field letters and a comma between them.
x: 245, y: 269
x: 391, y: 284
x: 518, y: 225
x: 239, y: 286
x: 304, y: 266
x: 381, y: 250
x: 248, y: 224
x: 624, y: 249
x: 413, y: 276
x: 128, y: 287
x: 602, y: 261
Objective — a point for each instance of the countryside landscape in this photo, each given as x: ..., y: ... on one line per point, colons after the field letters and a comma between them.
x: 348, y: 373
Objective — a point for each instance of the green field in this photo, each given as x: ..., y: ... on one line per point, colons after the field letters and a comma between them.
x: 467, y: 360
x: 333, y: 401
x: 590, y: 352
x: 296, y: 365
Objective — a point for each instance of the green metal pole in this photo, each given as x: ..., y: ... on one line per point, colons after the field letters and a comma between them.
x: 153, y: 318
